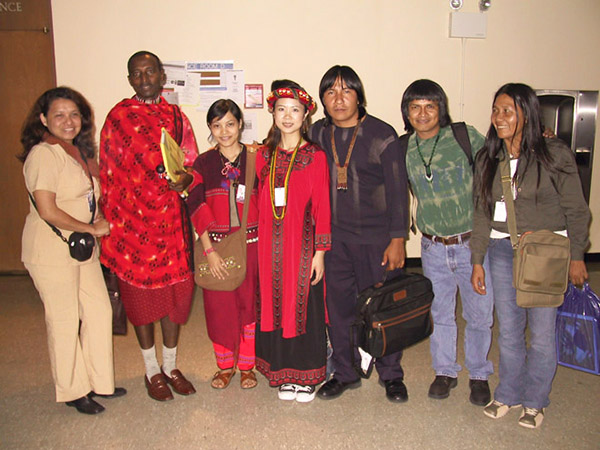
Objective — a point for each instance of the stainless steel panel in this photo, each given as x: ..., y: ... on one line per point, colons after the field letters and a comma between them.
x: 572, y: 117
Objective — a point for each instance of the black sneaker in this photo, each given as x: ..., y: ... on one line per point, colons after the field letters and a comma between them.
x: 440, y: 388
x: 480, y: 392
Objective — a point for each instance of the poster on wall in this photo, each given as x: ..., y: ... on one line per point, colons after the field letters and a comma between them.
x: 253, y: 96
x: 199, y: 84
x: 234, y: 81
x: 181, y: 87
x: 250, y: 131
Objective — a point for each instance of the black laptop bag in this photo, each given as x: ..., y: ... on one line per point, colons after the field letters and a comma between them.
x: 393, y: 315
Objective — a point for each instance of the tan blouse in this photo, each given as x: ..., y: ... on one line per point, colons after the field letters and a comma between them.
x: 50, y: 168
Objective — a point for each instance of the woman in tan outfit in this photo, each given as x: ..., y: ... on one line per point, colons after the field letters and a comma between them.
x: 61, y: 176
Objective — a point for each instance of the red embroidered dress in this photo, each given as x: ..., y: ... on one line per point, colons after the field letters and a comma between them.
x: 286, y: 247
x: 227, y: 312
x: 147, y: 246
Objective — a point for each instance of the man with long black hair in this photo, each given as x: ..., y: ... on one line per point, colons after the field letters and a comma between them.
x: 368, y: 221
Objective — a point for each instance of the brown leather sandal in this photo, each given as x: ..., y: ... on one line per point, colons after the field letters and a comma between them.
x: 222, y: 378
x: 248, y: 379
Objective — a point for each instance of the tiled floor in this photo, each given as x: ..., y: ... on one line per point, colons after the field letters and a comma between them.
x: 232, y: 418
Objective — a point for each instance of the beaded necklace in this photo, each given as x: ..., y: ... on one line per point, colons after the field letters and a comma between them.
x: 285, y: 181
x: 342, y: 171
x: 427, y: 165
x: 231, y: 171
x: 153, y: 101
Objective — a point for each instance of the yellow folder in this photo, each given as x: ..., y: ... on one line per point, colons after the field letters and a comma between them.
x: 173, y: 156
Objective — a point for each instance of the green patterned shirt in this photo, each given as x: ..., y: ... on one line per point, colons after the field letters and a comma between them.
x: 445, y: 204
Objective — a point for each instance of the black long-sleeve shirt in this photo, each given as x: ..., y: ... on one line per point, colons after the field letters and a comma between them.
x: 374, y: 209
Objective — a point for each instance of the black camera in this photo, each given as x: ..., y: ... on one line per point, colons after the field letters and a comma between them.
x: 81, y: 246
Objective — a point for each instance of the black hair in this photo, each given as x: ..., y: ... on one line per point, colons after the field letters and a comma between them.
x: 274, y: 137
x: 425, y: 90
x: 352, y: 81
x: 144, y: 53
x: 33, y: 129
x: 277, y: 84
x: 220, y: 108
x: 532, y: 138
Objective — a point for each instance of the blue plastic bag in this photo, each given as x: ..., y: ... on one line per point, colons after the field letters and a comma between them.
x: 578, y: 330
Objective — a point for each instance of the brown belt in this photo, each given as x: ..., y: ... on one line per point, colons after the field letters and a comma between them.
x: 452, y: 240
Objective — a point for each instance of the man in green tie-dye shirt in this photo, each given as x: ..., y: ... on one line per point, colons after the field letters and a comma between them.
x: 441, y: 177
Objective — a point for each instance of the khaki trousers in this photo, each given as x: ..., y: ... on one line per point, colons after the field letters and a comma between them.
x: 81, y: 358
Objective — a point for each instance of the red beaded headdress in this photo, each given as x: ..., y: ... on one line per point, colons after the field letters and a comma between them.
x: 298, y: 94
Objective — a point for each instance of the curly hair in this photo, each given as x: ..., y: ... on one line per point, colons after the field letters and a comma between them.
x: 33, y: 129
x: 144, y: 53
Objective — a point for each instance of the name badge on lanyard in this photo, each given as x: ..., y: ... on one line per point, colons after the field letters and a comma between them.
x: 500, y: 212
x: 280, y: 196
x: 240, y: 195
x: 90, y: 199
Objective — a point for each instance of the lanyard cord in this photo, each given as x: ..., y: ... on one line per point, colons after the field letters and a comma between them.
x: 285, y: 181
x: 342, y: 171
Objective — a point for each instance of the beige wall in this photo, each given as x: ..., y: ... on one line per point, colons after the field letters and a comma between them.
x: 545, y: 43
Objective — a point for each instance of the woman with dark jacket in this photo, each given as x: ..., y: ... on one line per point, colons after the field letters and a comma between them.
x: 547, y: 195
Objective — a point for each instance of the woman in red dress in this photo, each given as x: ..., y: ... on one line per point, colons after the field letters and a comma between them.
x: 294, y: 233
x: 216, y: 206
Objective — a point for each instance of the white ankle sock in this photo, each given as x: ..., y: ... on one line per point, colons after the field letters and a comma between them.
x: 169, y: 359
x: 150, y: 361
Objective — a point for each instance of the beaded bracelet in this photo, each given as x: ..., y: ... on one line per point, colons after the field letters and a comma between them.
x: 208, y: 251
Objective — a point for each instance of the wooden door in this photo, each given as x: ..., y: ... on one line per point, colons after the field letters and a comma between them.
x: 26, y: 71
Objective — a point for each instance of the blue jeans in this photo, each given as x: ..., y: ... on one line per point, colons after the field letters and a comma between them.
x: 449, y: 269
x: 526, y: 374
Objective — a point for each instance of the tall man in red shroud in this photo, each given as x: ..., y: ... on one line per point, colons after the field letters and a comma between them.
x: 149, y: 242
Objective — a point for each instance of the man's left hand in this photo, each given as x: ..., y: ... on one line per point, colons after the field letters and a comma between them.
x: 394, y: 255
x: 183, y: 181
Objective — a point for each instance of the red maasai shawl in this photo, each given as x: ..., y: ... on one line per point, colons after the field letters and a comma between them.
x: 286, y: 247
x: 147, y: 245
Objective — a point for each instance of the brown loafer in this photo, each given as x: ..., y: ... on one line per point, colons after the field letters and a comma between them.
x: 179, y: 383
x: 158, y: 389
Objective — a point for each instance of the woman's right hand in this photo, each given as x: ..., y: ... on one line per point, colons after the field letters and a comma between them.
x: 50, y: 212
x: 100, y: 227
x: 478, y: 279
x: 216, y: 264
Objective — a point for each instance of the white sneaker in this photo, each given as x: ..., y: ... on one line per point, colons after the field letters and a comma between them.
x: 496, y: 409
x: 531, y: 417
x: 287, y: 392
x: 305, y: 394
